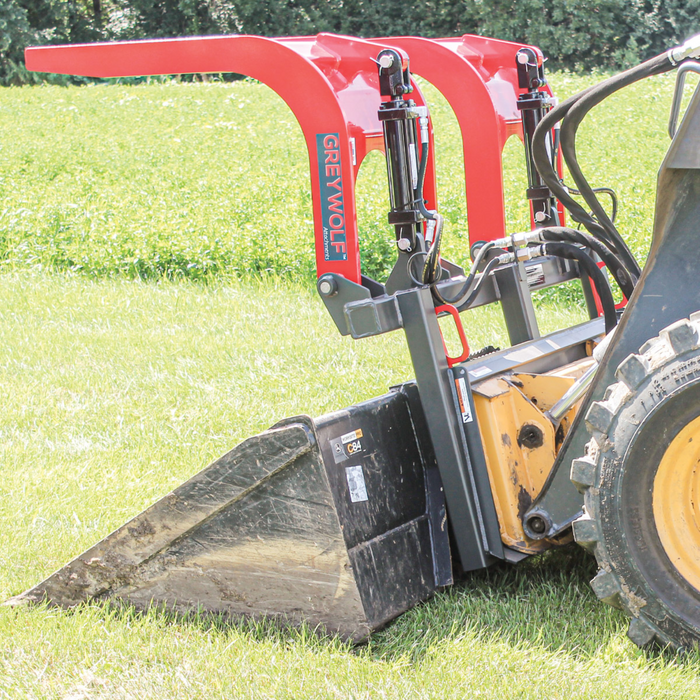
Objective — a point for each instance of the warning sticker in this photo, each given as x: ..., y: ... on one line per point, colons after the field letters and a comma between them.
x: 351, y: 437
x: 463, y: 396
x: 480, y: 372
x: 524, y: 355
x: 347, y: 446
x: 356, y: 484
x: 535, y: 275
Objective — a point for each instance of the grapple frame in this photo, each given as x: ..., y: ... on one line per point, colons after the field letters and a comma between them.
x: 330, y: 84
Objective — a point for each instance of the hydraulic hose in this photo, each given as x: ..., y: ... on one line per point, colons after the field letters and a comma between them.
x: 625, y: 281
x: 543, y: 162
x: 575, y: 115
x: 422, y: 167
x: 604, y: 229
x: 572, y: 111
x: 572, y: 190
x: 469, y: 281
x: 490, y: 267
x: 431, y: 266
x: 572, y: 252
x: 601, y: 190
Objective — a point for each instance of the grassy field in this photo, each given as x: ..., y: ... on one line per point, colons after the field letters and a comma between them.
x: 192, y: 180
x: 117, y: 389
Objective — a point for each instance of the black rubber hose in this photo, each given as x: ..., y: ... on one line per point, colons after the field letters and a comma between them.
x: 550, y: 176
x: 572, y: 252
x: 625, y: 281
x: 572, y: 190
x: 431, y: 267
x: 465, y: 288
x: 422, y: 167
x: 545, y: 166
x: 575, y: 115
x: 601, y: 190
x: 492, y: 265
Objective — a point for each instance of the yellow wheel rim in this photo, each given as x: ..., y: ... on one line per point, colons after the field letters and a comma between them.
x: 676, y: 502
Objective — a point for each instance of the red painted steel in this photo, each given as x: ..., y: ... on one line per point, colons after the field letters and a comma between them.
x: 330, y: 83
x: 452, y: 310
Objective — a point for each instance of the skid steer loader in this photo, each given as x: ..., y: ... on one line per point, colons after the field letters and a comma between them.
x: 349, y: 519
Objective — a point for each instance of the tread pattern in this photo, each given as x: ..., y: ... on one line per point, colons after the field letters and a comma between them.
x: 671, y: 343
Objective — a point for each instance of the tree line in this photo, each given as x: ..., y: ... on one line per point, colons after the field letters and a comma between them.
x: 574, y: 34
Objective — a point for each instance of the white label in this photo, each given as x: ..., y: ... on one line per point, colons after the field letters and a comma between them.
x: 463, y: 396
x: 480, y: 372
x: 349, y: 437
x: 524, y: 355
x: 356, y: 484
x: 535, y: 275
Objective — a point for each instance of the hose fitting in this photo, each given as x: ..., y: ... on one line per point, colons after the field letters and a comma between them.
x: 423, y: 120
x: 520, y: 255
x: 690, y: 49
x: 521, y: 238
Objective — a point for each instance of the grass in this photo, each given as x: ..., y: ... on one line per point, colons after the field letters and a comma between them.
x: 119, y: 384
x: 119, y: 390
x: 193, y: 180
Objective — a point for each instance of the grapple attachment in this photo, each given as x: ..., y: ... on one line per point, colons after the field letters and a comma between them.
x: 338, y: 521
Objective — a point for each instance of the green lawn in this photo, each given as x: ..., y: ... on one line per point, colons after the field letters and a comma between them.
x: 196, y: 180
x: 117, y: 389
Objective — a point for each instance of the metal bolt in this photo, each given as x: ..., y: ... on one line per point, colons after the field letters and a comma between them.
x: 386, y: 61
x: 537, y: 524
x: 540, y: 216
x: 327, y: 286
x: 404, y: 244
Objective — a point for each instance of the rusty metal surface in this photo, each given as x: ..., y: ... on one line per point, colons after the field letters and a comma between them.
x: 274, y: 529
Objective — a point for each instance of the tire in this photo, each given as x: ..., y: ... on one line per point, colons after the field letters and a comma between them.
x: 640, y: 478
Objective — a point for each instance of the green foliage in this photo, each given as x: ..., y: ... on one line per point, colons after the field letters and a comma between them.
x: 573, y: 34
x: 15, y: 34
x: 64, y: 21
x: 579, y: 34
x: 202, y: 180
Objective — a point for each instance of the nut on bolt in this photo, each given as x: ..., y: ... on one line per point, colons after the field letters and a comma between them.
x: 537, y: 524
x: 327, y: 286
